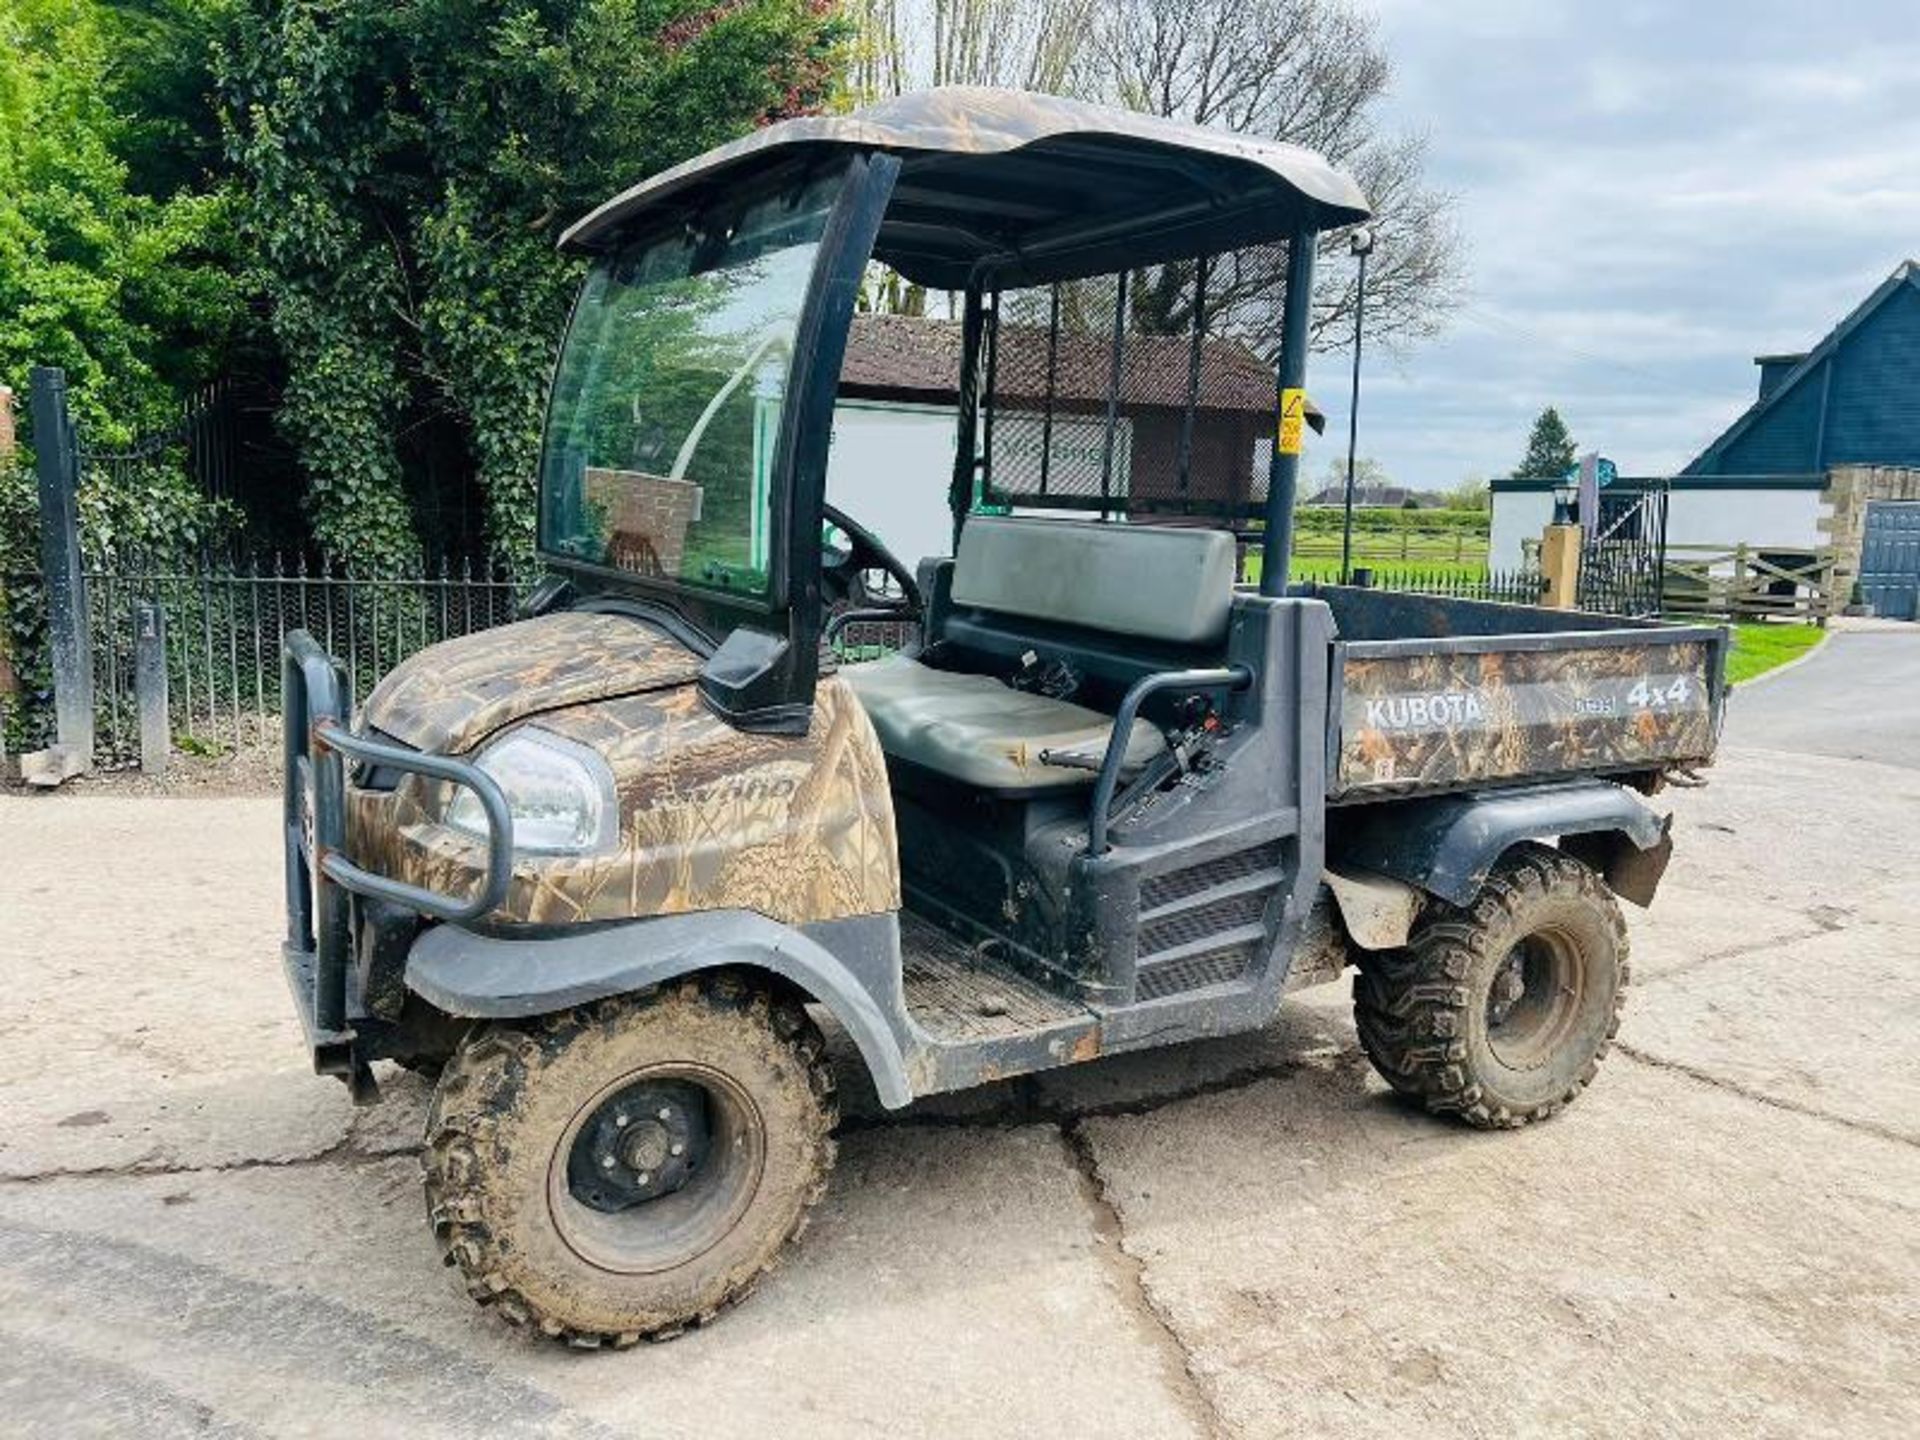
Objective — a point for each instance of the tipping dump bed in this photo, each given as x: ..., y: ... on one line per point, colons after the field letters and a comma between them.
x: 1433, y: 694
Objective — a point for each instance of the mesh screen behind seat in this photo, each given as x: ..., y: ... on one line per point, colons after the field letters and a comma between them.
x: 1146, y: 393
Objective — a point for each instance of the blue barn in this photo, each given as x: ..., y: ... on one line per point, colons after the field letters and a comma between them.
x: 1825, y: 461
x: 1854, y: 399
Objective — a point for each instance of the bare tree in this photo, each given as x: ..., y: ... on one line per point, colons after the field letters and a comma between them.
x: 1028, y: 44
x: 1312, y: 72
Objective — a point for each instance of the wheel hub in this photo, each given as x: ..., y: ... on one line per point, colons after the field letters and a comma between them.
x: 1509, y: 986
x: 1533, y: 1000
x: 642, y: 1143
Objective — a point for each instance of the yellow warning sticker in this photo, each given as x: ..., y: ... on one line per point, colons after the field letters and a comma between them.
x: 1293, y: 415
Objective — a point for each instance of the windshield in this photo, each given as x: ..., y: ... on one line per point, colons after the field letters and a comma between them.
x: 666, y: 405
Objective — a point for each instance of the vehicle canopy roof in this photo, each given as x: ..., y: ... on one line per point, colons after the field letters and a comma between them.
x: 1002, y: 188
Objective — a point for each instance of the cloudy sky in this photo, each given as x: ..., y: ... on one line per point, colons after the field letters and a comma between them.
x: 1651, y: 194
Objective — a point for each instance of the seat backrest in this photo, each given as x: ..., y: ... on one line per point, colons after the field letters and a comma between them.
x: 1156, y: 582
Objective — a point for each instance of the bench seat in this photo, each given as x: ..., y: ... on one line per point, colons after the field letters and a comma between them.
x: 1137, y: 586
x: 981, y: 732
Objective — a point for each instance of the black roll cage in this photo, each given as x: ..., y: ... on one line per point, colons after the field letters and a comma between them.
x: 765, y: 662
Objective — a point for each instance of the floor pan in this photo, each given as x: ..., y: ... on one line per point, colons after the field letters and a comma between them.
x: 956, y: 993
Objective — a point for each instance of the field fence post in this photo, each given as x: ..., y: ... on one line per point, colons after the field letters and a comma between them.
x: 150, y: 684
x: 57, y: 460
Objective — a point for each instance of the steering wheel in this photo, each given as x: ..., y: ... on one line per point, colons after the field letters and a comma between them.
x: 857, y: 572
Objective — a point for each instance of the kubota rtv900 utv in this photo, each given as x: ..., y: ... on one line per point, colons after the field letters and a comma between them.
x: 606, y: 865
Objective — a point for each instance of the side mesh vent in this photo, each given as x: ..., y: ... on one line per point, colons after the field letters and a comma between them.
x: 1180, y: 884
x: 1183, y: 927
x: 1196, y: 972
x: 1203, y: 925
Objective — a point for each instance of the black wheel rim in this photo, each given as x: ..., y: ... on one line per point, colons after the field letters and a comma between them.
x: 1533, y: 1002
x: 656, y: 1168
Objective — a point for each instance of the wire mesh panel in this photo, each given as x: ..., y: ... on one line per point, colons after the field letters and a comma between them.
x: 1148, y: 392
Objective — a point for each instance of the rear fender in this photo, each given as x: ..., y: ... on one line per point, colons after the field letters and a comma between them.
x: 849, y: 966
x: 1448, y: 845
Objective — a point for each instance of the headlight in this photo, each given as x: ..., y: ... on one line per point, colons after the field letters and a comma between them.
x: 560, y: 794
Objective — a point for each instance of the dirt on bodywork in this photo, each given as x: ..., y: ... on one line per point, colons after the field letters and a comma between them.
x: 451, y: 696
x: 797, y: 828
x: 1439, y: 720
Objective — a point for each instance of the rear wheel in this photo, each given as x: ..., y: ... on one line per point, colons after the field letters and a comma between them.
x: 1500, y: 1011
x: 626, y: 1169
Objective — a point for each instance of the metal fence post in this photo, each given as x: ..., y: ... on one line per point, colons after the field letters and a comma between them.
x: 57, y: 458
x: 150, y: 684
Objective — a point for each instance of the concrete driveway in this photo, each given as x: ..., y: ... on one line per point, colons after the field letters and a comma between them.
x: 1245, y: 1238
x: 1857, y: 697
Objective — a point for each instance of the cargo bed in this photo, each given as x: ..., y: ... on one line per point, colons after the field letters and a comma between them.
x: 1431, y: 694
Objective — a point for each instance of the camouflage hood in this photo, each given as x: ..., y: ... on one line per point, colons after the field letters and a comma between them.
x: 451, y: 696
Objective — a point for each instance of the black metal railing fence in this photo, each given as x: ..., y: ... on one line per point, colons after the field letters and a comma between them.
x: 223, y: 623
x: 1509, y: 587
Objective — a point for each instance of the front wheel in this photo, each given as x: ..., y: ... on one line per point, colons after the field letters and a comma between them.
x: 1500, y: 1012
x: 626, y: 1169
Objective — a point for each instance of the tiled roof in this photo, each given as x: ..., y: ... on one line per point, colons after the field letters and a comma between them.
x: 912, y: 355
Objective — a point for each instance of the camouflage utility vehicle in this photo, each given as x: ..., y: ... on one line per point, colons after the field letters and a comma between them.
x: 610, y: 867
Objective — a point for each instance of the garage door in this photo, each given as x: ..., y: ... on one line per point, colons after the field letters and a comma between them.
x: 1890, y: 559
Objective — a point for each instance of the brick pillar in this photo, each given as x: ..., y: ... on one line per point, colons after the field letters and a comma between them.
x: 1560, y: 567
x: 6, y: 425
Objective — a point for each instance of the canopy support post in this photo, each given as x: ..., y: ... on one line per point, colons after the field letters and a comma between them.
x: 966, y: 459
x: 1283, y: 475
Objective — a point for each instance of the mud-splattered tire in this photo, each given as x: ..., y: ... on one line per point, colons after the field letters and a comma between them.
x: 1500, y: 1011
x: 521, y: 1107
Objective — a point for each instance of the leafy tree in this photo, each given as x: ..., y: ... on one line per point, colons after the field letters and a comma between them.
x: 1550, y: 448
x: 1470, y: 494
x: 127, y: 292
x: 407, y: 169
x: 161, y: 84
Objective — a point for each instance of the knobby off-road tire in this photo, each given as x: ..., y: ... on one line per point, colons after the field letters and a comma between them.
x: 505, y: 1138
x: 1500, y: 1011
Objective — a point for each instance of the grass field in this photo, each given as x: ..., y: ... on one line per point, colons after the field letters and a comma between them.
x: 1762, y: 645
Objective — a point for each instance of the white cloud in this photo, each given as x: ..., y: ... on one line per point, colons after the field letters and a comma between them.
x: 1652, y: 194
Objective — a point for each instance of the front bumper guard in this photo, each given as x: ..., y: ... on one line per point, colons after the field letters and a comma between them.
x: 317, y: 702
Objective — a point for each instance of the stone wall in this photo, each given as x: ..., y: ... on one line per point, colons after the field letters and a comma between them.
x: 1849, y: 488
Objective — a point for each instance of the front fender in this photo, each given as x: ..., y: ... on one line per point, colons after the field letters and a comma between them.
x: 504, y: 977
x: 1447, y: 845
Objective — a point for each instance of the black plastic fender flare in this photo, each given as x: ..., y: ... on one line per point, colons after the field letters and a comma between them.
x: 511, y: 977
x: 1447, y: 845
